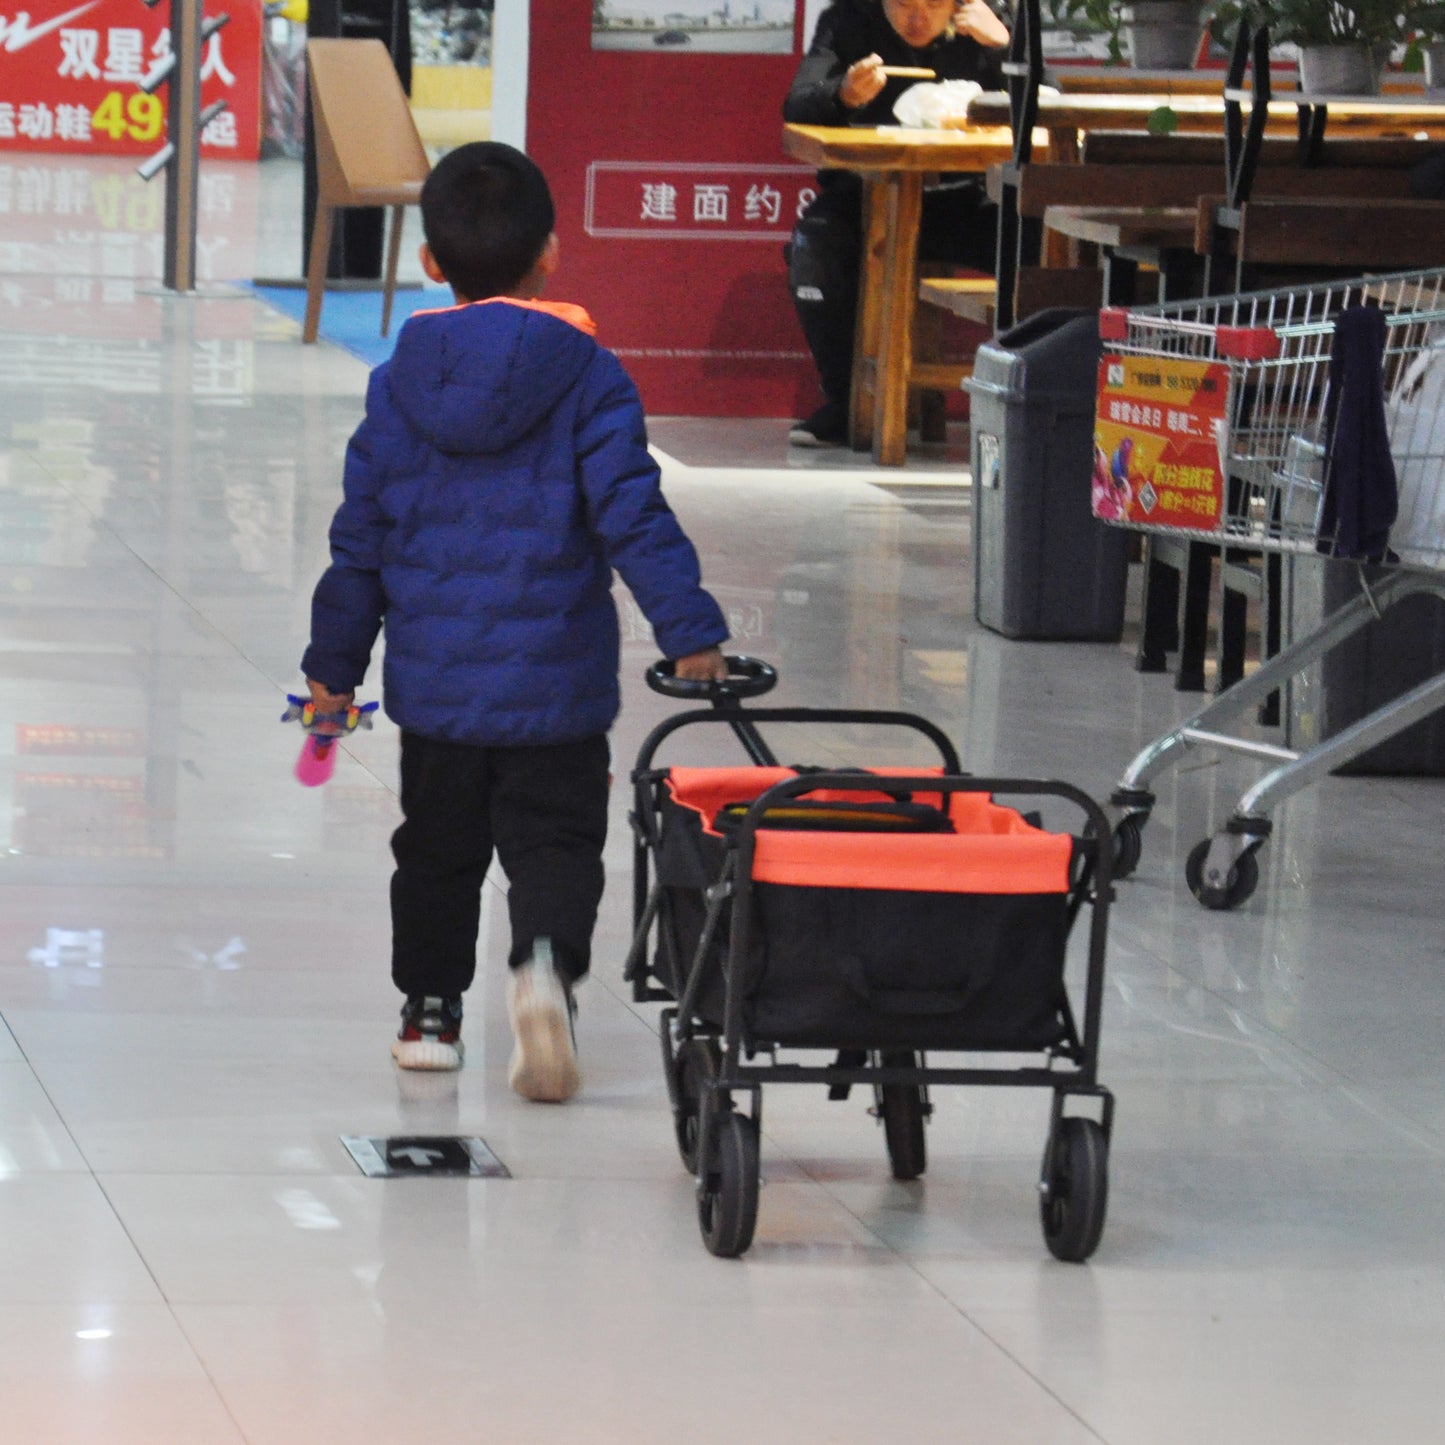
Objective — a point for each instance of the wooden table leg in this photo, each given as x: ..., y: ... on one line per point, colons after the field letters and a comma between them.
x: 870, y: 309
x: 900, y: 295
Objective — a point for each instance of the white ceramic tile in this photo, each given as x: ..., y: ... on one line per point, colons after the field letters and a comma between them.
x: 32, y: 1136
x: 61, y: 1243
x: 121, y: 1373
x: 528, y: 1366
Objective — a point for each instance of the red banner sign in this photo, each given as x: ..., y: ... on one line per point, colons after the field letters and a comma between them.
x: 661, y: 136
x: 70, y: 78
x: 656, y: 201
x: 1157, y: 439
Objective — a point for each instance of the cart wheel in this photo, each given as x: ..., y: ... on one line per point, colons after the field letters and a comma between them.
x: 695, y: 1065
x: 727, y: 1196
x: 903, y: 1110
x: 1242, y: 881
x: 1074, y: 1189
x: 1128, y: 846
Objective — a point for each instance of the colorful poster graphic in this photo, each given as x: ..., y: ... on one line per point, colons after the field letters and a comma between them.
x: 1158, y: 441
x: 684, y: 27
x: 70, y: 78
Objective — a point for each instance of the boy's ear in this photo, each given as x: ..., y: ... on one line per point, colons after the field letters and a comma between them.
x: 551, y: 256
x: 429, y: 264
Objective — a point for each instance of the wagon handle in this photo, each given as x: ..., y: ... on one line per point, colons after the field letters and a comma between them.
x: 747, y: 677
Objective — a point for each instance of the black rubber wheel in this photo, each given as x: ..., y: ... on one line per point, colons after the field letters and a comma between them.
x: 903, y: 1112
x: 727, y: 1195
x: 1074, y: 1189
x: 1128, y: 846
x: 695, y: 1065
x: 1243, y: 879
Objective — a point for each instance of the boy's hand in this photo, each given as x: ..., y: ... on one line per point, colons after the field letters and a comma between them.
x: 708, y: 665
x: 327, y: 701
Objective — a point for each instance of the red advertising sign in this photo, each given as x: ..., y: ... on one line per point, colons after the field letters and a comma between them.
x: 70, y: 78
x: 650, y: 200
x: 661, y: 135
x: 1158, y: 438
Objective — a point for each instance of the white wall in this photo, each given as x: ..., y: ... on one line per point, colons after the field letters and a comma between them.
x: 511, y: 24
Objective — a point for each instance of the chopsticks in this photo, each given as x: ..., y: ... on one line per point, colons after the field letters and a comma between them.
x: 912, y: 72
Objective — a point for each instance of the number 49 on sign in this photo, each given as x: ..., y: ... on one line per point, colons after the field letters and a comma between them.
x: 138, y: 116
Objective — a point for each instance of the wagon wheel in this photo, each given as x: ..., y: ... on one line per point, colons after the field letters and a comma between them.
x: 1128, y: 846
x: 727, y: 1193
x: 903, y: 1111
x: 1243, y: 879
x: 694, y: 1067
x: 1074, y: 1189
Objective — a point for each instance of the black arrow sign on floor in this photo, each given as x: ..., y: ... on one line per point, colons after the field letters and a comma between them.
x: 423, y: 1156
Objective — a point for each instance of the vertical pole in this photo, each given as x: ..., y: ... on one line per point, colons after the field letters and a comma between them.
x: 183, y: 174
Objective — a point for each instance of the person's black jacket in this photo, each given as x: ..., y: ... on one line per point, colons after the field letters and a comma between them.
x: 850, y: 29
x: 1360, y: 494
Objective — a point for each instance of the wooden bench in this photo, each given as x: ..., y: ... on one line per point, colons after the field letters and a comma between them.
x: 972, y: 297
x: 368, y: 153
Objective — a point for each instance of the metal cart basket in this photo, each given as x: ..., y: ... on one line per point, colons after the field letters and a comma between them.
x: 1216, y: 423
x: 874, y: 915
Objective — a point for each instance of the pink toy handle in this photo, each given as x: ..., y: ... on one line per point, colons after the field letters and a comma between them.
x: 317, y: 760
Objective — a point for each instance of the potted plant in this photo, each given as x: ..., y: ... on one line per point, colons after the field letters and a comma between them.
x: 1342, y: 48
x: 1161, y: 34
x: 1428, y: 24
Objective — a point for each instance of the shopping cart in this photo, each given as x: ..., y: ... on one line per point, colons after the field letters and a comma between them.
x: 1213, y: 425
x: 874, y: 915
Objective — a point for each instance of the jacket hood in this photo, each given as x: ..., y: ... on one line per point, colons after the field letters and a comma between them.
x: 479, y: 377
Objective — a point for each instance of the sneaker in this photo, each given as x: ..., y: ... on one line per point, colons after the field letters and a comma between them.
x: 827, y: 427
x: 539, y: 1004
x: 431, y: 1033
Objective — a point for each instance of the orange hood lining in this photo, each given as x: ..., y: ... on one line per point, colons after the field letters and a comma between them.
x: 563, y: 310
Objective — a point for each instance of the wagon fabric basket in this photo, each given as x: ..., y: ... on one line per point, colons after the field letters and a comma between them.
x: 880, y: 920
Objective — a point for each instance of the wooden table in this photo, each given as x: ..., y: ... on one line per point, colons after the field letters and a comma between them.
x: 893, y: 163
x: 1130, y: 234
x: 1125, y: 80
x: 1065, y: 116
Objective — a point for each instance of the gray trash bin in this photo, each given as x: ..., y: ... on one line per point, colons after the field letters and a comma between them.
x: 1043, y: 566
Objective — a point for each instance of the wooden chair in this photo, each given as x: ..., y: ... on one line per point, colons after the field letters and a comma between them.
x: 368, y: 153
x: 933, y: 375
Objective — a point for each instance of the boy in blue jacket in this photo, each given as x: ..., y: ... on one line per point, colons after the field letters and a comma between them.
x: 500, y: 475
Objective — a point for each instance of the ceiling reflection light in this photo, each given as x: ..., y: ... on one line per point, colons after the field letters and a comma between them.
x: 92, y: 1334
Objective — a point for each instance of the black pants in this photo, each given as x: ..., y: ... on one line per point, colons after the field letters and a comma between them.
x: 544, y: 810
x: 825, y: 255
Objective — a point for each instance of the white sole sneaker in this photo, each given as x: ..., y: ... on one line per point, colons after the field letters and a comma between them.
x: 544, y: 1061
x: 427, y: 1054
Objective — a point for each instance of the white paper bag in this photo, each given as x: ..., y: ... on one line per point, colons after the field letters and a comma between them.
x: 1415, y: 411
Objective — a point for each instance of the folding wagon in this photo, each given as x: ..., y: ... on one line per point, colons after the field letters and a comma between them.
x: 884, y: 916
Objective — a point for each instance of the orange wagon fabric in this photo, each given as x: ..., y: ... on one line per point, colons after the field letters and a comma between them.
x: 992, y: 850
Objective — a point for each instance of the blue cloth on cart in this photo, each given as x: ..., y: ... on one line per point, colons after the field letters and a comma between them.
x: 1360, y: 492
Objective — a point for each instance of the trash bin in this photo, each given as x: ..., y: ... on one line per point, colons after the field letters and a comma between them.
x: 1397, y: 651
x: 1043, y: 566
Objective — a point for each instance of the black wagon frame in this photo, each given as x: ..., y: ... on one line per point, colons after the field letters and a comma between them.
x: 706, y: 1069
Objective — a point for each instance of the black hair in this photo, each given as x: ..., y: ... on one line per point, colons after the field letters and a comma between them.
x: 487, y: 213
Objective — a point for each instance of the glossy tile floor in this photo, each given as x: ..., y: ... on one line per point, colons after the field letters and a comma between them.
x: 196, y: 1006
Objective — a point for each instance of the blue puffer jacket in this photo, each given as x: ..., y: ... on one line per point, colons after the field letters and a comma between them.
x: 499, y: 476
